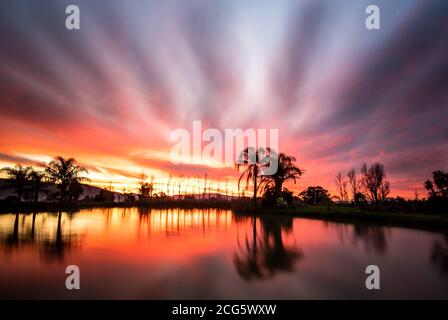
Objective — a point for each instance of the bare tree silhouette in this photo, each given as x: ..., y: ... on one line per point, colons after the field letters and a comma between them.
x: 354, y: 183
x: 373, y: 181
x: 341, y: 184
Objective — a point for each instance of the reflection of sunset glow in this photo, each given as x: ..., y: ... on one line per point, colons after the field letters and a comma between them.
x: 132, y: 253
x: 111, y: 93
x: 115, y: 225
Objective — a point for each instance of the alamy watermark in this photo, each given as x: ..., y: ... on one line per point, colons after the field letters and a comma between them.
x: 373, y: 280
x: 227, y: 147
x: 73, y: 19
x: 373, y: 21
x: 72, y: 282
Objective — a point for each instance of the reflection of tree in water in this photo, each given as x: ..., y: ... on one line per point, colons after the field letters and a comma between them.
x: 373, y: 236
x: 12, y: 238
x: 51, y: 247
x: 439, y: 254
x: 55, y: 248
x: 262, y: 256
x: 143, y: 215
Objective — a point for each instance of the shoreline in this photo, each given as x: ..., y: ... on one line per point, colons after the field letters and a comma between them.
x: 334, y: 214
x: 157, y: 204
x: 419, y: 221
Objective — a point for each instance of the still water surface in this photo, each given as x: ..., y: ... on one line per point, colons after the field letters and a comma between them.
x: 214, y: 254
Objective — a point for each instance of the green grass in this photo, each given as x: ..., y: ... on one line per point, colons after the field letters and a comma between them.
x: 355, y: 215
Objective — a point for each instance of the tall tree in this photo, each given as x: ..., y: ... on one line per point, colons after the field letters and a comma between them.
x: 286, y: 170
x: 384, y: 190
x: 19, y: 178
x: 373, y: 180
x: 254, y: 161
x: 146, y: 189
x: 344, y: 190
x: 341, y: 184
x: 440, y: 181
x: 315, y: 195
x: 438, y: 191
x: 354, y: 183
x: 64, y: 172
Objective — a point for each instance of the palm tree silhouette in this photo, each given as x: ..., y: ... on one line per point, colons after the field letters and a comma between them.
x: 64, y: 172
x: 286, y: 170
x: 19, y: 176
x: 254, y: 161
x: 36, y: 178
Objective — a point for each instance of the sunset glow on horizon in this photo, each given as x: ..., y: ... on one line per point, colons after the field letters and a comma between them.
x: 111, y: 93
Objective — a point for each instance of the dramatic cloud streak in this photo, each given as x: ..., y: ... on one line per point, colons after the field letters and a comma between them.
x: 113, y: 91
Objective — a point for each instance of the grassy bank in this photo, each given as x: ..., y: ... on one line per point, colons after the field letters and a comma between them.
x: 354, y: 215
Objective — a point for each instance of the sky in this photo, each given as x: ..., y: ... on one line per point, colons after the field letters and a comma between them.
x: 340, y: 95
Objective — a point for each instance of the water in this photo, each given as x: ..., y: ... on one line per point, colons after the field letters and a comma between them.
x: 212, y: 254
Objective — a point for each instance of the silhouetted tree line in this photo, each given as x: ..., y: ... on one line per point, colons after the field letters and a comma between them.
x: 64, y: 173
x: 315, y: 196
x: 147, y: 192
x: 370, y: 187
x: 255, y: 163
x: 438, y: 191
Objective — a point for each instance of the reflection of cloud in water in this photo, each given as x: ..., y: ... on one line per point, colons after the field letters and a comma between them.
x: 212, y: 254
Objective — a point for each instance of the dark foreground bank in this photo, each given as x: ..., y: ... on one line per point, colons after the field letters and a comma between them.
x: 354, y: 215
